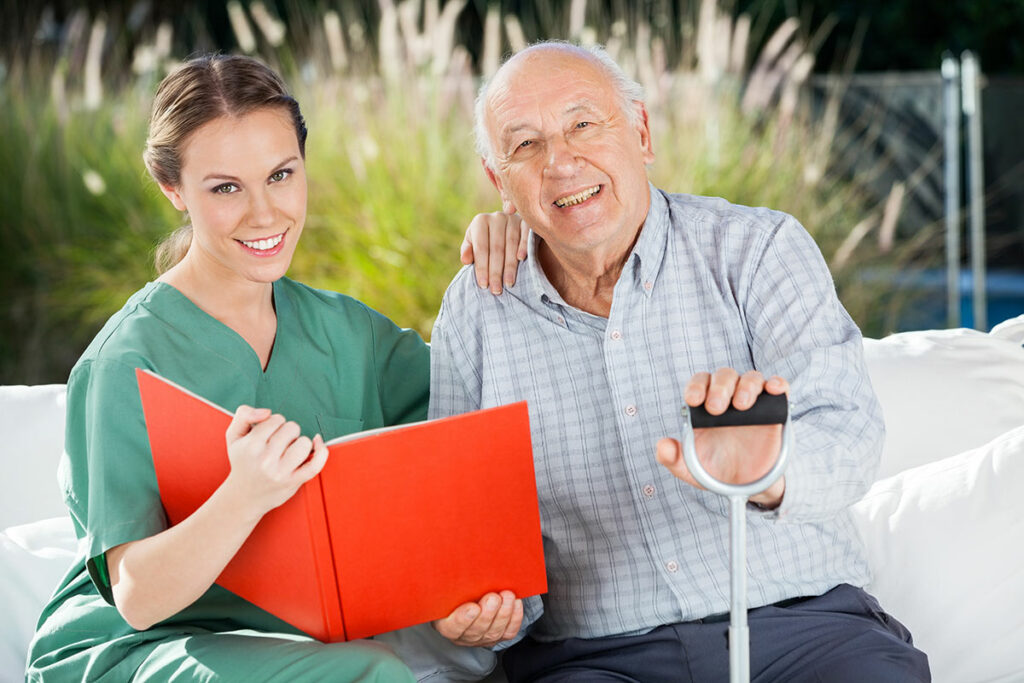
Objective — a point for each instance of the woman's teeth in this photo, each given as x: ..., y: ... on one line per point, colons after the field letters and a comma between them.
x: 263, y: 245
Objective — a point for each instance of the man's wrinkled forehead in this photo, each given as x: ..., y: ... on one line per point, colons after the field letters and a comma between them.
x: 528, y: 77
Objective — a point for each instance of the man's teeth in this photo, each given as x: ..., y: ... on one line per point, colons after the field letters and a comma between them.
x: 263, y: 245
x: 574, y: 199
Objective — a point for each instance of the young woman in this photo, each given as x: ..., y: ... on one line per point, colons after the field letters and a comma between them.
x: 227, y: 145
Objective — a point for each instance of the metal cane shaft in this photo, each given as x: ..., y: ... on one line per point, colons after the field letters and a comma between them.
x: 774, y: 410
x: 739, y: 634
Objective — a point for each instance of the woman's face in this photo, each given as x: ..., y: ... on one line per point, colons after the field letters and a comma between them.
x: 243, y: 183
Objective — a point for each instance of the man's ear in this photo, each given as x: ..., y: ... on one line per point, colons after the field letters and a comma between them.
x: 174, y: 195
x: 506, y: 203
x: 644, y: 129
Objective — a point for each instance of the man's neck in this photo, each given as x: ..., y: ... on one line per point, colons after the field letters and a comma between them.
x: 586, y: 279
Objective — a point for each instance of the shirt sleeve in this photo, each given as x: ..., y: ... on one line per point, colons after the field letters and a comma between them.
x: 455, y: 366
x: 455, y: 388
x: 107, y: 473
x: 402, y: 362
x: 800, y: 331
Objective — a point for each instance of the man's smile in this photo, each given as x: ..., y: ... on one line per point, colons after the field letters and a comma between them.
x: 577, y: 198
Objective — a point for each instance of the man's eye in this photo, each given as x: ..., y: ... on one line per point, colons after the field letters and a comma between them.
x: 281, y: 175
x: 525, y: 143
x: 583, y: 124
x: 226, y: 188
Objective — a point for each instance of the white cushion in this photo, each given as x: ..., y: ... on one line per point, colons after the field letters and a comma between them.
x: 943, y: 392
x: 945, y: 542
x: 33, y: 559
x: 1010, y: 330
x: 32, y: 425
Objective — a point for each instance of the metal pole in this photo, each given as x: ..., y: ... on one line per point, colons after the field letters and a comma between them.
x: 951, y: 154
x: 739, y: 633
x: 975, y: 176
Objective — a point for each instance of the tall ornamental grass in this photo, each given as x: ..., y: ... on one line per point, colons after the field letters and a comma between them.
x: 394, y: 179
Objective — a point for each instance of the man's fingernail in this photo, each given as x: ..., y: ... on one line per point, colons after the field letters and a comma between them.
x: 742, y: 396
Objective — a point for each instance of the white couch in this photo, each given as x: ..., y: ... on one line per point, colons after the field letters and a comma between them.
x: 943, y: 525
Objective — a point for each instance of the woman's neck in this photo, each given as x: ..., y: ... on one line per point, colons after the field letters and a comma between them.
x: 245, y: 306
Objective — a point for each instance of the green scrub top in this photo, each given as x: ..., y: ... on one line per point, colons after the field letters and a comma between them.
x: 336, y: 367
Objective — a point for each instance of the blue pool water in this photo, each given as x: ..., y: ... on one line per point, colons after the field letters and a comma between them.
x: 1004, y: 294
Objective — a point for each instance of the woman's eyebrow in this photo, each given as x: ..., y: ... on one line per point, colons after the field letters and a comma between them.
x: 216, y: 175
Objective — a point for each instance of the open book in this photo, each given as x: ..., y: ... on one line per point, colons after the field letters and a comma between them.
x: 400, y: 527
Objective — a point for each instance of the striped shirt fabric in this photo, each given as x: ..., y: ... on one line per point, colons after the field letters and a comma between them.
x: 708, y: 284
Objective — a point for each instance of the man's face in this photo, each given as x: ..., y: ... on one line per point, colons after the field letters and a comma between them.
x: 566, y: 157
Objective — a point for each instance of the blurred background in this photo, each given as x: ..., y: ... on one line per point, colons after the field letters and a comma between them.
x: 841, y: 112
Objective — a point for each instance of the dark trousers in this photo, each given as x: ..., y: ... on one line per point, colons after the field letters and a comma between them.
x: 841, y: 636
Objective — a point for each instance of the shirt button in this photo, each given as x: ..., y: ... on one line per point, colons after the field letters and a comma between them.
x: 648, y: 285
x: 561, y: 320
x: 616, y: 335
x: 649, y: 490
x: 631, y: 410
x: 672, y: 566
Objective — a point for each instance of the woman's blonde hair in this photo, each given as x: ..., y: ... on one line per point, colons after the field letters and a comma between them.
x: 201, y: 90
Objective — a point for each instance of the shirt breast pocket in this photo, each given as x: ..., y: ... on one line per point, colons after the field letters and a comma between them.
x: 332, y: 427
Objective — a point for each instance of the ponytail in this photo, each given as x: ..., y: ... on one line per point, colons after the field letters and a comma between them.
x: 174, y: 247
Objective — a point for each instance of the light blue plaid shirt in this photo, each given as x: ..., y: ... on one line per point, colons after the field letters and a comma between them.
x: 708, y: 285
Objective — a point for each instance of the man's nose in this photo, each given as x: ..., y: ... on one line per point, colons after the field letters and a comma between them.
x: 562, y: 159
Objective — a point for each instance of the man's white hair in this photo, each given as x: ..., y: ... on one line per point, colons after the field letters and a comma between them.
x: 628, y: 91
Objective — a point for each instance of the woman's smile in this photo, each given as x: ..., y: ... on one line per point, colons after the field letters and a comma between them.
x: 266, y: 246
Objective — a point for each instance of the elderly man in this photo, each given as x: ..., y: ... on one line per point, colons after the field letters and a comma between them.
x: 630, y: 302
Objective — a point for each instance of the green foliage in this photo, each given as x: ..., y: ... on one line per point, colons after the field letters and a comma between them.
x: 79, y: 223
x: 394, y: 181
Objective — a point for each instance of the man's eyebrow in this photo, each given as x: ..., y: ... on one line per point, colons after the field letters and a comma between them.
x: 513, y: 129
x: 509, y: 133
x: 584, y: 106
x: 580, y: 106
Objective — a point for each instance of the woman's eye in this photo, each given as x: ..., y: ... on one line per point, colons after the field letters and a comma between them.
x: 226, y: 188
x: 280, y: 175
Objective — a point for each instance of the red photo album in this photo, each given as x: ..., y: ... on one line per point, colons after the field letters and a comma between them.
x: 401, y: 526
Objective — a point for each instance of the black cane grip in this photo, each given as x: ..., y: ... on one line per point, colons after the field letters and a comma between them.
x: 768, y: 409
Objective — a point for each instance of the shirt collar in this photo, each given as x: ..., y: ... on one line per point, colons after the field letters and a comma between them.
x: 541, y: 288
x: 646, y: 257
x: 649, y: 250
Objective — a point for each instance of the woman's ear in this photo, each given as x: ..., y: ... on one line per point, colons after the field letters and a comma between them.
x: 174, y: 195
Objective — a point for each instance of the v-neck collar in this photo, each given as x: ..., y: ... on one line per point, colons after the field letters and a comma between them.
x: 225, y: 340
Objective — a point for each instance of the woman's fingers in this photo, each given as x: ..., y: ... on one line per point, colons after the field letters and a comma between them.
x: 243, y: 420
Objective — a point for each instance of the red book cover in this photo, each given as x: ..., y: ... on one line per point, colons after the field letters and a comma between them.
x: 400, y: 527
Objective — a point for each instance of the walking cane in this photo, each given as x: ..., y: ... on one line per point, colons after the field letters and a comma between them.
x: 768, y: 409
